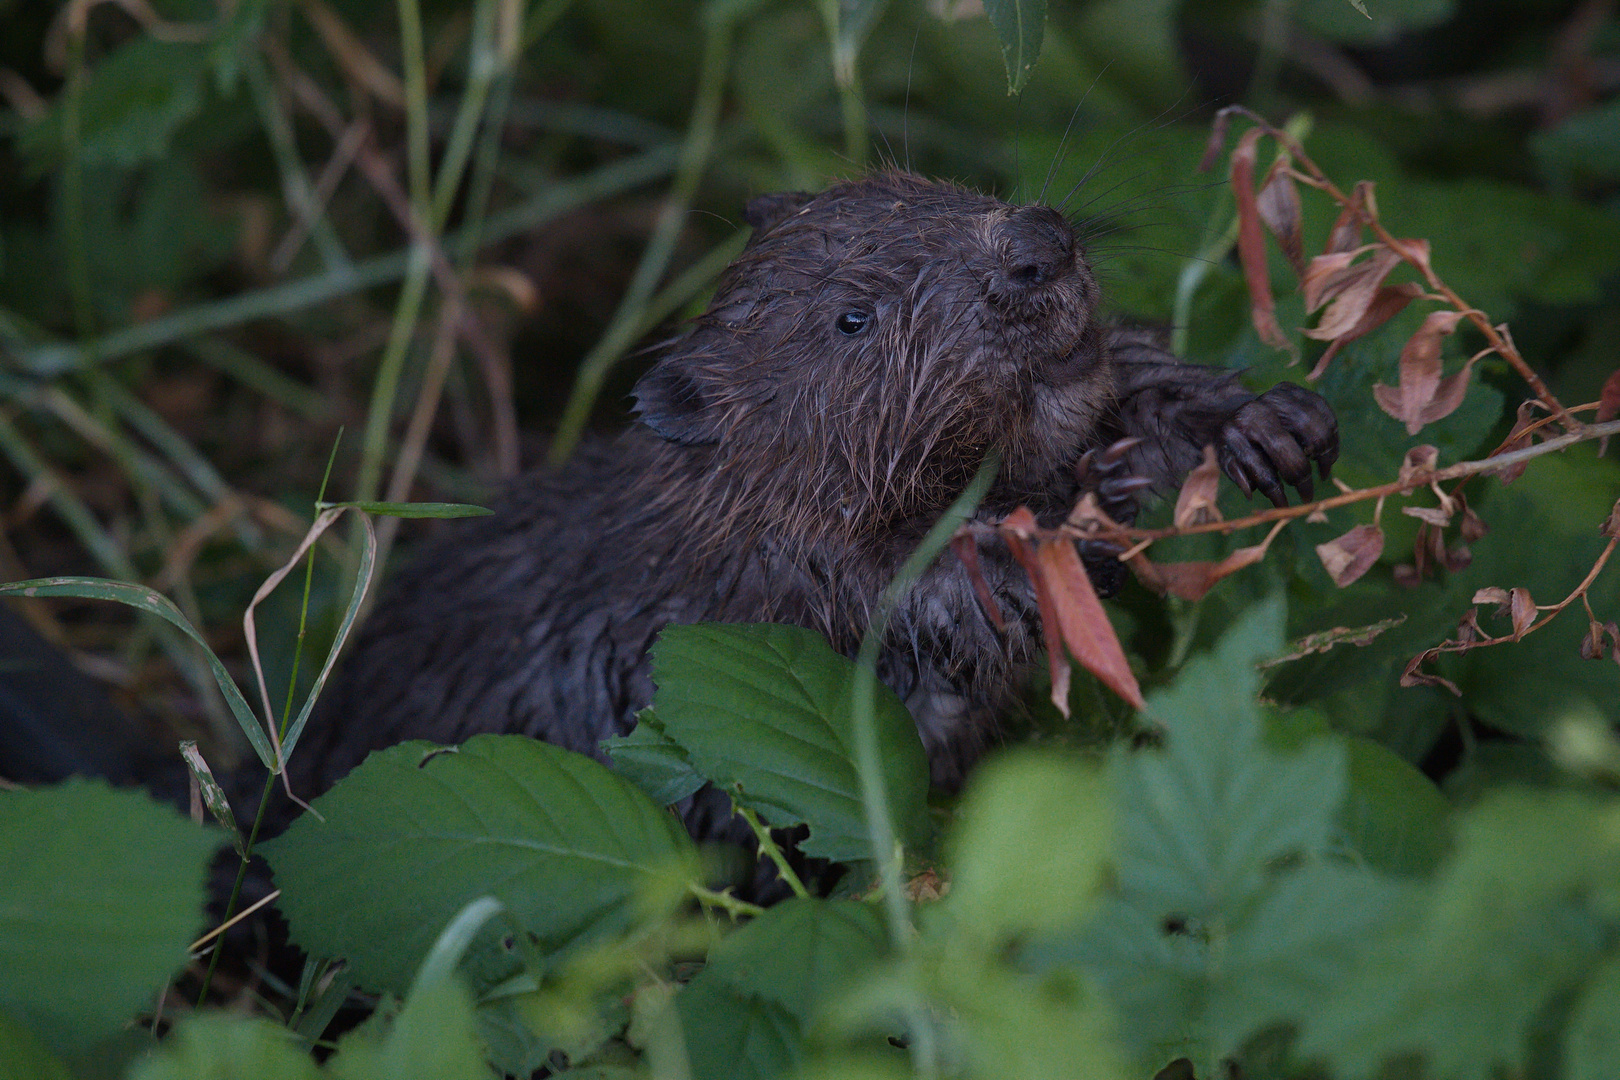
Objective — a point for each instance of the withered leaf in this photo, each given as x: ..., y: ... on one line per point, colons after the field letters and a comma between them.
x: 1473, y: 526
x: 1324, y: 640
x: 1492, y: 594
x: 1388, y: 302
x: 1523, y: 609
x: 1421, y: 458
x: 1434, y: 515
x: 1413, y: 676
x: 1087, y: 633
x: 1608, y: 406
x: 1468, y: 630
x: 1278, y: 206
x: 966, y: 548
x: 1592, y: 643
x: 1459, y: 558
x: 1196, y: 502
x: 1517, y: 439
x: 1611, y: 524
x: 1252, y: 244
x: 1015, y: 527
x: 1346, y: 232
x: 1419, y: 373
x: 1351, y: 555
x: 1193, y: 580
x: 1351, y: 292
x: 1407, y: 576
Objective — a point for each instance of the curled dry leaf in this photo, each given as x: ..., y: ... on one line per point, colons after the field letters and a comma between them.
x: 1413, y: 401
x: 1523, y: 610
x: 1473, y: 526
x: 1324, y: 640
x: 1196, y: 502
x: 1072, y: 618
x: 966, y: 547
x: 1415, y: 676
x: 1278, y: 206
x: 1518, y: 439
x: 1492, y: 594
x: 1459, y: 558
x: 1388, y: 302
x: 1351, y: 555
x: 1420, y: 459
x: 1346, y: 232
x: 1251, y: 244
x: 1611, y: 524
x: 1348, y: 292
x: 1434, y: 515
x: 1468, y: 630
x: 1193, y: 580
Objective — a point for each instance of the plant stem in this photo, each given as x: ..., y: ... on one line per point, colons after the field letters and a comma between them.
x: 625, y: 326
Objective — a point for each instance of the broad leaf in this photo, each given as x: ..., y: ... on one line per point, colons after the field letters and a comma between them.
x: 101, y: 894
x: 416, y: 832
x: 764, y: 713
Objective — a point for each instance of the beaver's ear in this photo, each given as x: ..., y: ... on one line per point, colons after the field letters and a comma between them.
x: 766, y: 211
x: 671, y: 402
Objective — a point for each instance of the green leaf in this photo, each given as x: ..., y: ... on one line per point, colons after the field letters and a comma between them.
x: 1032, y: 846
x: 433, y: 1038
x: 102, y: 892
x: 413, y: 509
x: 801, y: 954
x: 1020, y: 24
x: 733, y: 1036
x: 153, y: 603
x: 22, y: 1054
x: 654, y: 762
x: 133, y: 102
x: 1585, y: 146
x: 1229, y: 905
x: 1352, y: 23
x: 764, y: 712
x: 218, y: 1046
x: 1513, y: 919
x: 573, y: 851
x: 1592, y: 1044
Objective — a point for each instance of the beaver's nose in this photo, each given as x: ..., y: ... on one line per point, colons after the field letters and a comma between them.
x: 1039, y: 248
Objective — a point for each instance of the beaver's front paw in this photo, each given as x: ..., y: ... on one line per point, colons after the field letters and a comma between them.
x: 1272, y: 441
x: 1107, y: 474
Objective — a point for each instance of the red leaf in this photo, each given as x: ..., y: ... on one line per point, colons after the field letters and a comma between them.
x: 1278, y: 206
x: 1351, y: 555
x: 1419, y: 372
x: 1192, y: 580
x: 1252, y: 244
x: 966, y: 548
x: 1086, y: 630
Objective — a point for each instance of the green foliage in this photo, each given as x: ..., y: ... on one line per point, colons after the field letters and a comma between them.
x: 417, y: 831
x: 764, y: 712
x: 102, y: 893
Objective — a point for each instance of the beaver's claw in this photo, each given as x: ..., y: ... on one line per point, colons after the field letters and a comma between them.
x: 1107, y: 474
x: 1272, y: 440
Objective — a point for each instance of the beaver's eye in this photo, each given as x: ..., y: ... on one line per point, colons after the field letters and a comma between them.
x: 852, y: 322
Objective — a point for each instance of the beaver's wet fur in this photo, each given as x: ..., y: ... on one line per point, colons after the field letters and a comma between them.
x: 856, y: 363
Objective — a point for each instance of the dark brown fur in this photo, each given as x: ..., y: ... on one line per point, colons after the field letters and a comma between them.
x: 857, y: 362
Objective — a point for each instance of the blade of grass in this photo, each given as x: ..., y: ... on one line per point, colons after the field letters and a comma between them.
x: 297, y: 190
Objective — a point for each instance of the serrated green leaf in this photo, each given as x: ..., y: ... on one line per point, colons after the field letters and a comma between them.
x: 764, y: 712
x: 434, y: 1037
x: 1592, y: 1043
x: 218, y: 1046
x: 801, y: 953
x: 731, y: 1036
x: 654, y: 762
x: 573, y: 851
x: 1032, y: 846
x: 1020, y: 24
x: 133, y: 102
x: 1507, y: 924
x: 103, y: 890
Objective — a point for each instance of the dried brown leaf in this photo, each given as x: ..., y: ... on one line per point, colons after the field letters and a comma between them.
x: 1388, y: 302
x: 1608, y: 406
x: 1351, y: 293
x: 966, y: 547
x: 1592, y: 643
x: 1419, y: 373
x: 1413, y: 676
x: 1278, y: 206
x: 1459, y: 558
x: 1192, y: 580
x: 1523, y: 609
x: 1518, y: 439
x: 1611, y: 524
x: 1468, y: 630
x: 1434, y: 515
x: 1351, y: 555
x: 1196, y: 502
x: 1420, y: 459
x: 1406, y: 576
x: 1087, y: 633
x: 1252, y: 244
x: 1346, y: 232
x: 1492, y: 594
x: 1016, y: 527
x: 1473, y: 526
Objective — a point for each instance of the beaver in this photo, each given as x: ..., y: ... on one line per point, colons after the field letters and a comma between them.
x: 856, y: 363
